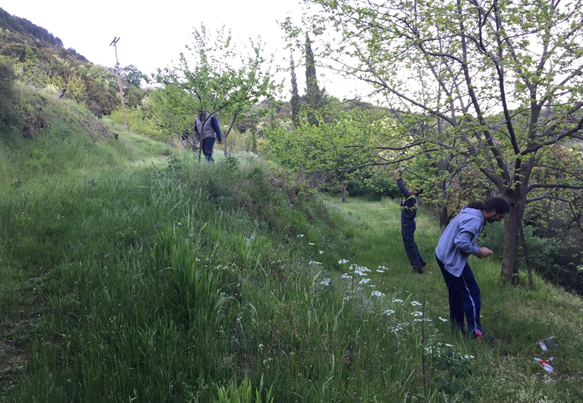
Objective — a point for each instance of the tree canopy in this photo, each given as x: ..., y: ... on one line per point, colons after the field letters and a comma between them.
x: 495, y: 83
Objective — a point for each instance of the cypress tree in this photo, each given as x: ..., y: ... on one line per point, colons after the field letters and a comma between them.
x: 295, y: 99
x: 314, y: 96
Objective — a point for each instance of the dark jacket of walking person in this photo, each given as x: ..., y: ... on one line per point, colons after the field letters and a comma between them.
x: 207, y: 130
x: 408, y: 213
x: 456, y: 244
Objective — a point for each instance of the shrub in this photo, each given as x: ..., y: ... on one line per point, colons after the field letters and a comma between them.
x: 375, y: 186
x: 7, y: 94
x: 545, y: 254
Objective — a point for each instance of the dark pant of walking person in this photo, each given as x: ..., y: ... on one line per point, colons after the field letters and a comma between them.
x: 464, y: 299
x: 408, y: 227
x: 207, y: 149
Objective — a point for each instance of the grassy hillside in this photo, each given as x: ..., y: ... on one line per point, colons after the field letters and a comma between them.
x: 131, y: 274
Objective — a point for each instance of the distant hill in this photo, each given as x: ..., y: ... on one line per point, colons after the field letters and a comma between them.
x: 39, y: 58
x: 16, y: 30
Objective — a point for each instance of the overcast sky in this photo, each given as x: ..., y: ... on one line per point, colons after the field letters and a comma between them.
x: 154, y: 33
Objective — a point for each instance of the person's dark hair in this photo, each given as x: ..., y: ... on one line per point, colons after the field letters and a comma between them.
x: 490, y: 203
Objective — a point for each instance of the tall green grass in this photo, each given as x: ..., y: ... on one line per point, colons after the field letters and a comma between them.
x: 188, y: 282
x: 67, y: 140
x: 166, y: 286
x: 180, y: 283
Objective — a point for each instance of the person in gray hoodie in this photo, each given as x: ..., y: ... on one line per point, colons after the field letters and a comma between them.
x: 456, y: 244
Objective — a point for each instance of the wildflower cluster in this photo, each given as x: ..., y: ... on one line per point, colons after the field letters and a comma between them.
x: 400, y: 316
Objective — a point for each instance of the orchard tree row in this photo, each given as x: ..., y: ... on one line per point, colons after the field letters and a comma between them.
x: 479, y: 98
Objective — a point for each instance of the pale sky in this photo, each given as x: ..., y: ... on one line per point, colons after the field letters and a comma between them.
x: 152, y: 34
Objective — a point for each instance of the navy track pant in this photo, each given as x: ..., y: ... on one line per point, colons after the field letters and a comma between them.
x: 408, y: 227
x: 464, y: 298
x: 207, y: 148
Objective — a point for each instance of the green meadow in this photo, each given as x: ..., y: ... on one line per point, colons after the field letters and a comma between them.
x: 130, y: 272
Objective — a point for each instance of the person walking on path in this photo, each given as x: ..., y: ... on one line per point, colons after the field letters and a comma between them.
x: 207, y: 130
x: 408, y: 213
x: 455, y: 245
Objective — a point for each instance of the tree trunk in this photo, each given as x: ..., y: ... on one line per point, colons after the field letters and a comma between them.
x: 226, y: 146
x: 343, y: 190
x: 444, y: 218
x: 512, y: 225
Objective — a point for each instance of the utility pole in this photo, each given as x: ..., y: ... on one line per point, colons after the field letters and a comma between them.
x: 123, y: 108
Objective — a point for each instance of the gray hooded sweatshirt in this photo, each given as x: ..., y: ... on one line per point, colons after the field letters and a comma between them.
x: 458, y: 241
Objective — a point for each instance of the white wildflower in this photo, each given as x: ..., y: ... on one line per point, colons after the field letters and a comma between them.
x: 417, y: 313
x: 311, y: 243
x: 325, y: 281
x: 321, y: 252
x: 442, y: 319
x: 342, y: 261
x: 364, y: 281
x: 398, y: 300
x: 358, y: 268
x: 415, y: 303
x: 314, y: 262
x: 346, y: 275
x: 388, y: 312
x: 300, y: 236
x: 377, y: 294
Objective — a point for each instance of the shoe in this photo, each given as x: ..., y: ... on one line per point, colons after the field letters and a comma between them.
x: 478, y: 335
x: 423, y: 263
